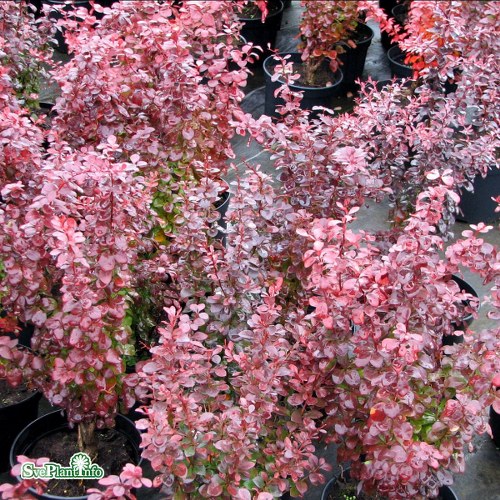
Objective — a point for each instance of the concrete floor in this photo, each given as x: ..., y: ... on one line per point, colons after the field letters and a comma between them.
x: 482, y: 478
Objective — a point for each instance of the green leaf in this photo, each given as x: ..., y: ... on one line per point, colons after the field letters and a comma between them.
x: 200, y: 470
x: 179, y: 495
x: 129, y: 350
x: 428, y: 417
x: 189, y: 451
x: 258, y: 481
x: 127, y: 321
x: 425, y: 430
x: 157, y: 202
x: 441, y: 406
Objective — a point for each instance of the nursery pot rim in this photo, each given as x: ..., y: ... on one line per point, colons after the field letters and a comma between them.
x: 224, y: 195
x: 346, y: 471
x: 223, y: 200
x: 33, y: 395
x: 399, y: 6
x: 365, y: 41
x: 398, y: 11
x: 494, y: 423
x: 462, y: 323
x: 270, y: 14
x: 465, y: 286
x: 297, y: 86
x: 13, y: 461
x: 393, y: 52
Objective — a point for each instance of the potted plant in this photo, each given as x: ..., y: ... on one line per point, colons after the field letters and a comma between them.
x: 240, y: 308
x: 194, y: 70
x: 333, y: 37
x: 115, y: 212
x: 217, y: 390
x: 81, y: 246
x: 389, y: 6
x: 37, y: 284
x: 256, y: 298
x: 335, y: 30
x: 343, y: 487
x: 261, y: 22
x: 19, y: 155
x: 442, y: 124
x: 398, y: 409
x: 450, y: 66
x: 18, y: 403
x: 399, y: 12
x: 323, y: 164
x: 238, y: 443
x: 60, y: 225
x: 361, y: 286
x: 432, y: 50
x: 178, y: 115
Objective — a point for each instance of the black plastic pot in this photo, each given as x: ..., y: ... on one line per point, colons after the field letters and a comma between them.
x: 495, y: 426
x: 466, y: 320
x: 56, y: 422
x: 25, y: 335
x: 37, y: 4
x: 353, y: 59
x: 312, y: 96
x: 388, y: 5
x: 400, y: 14
x: 13, y: 419
x: 222, y: 207
x: 477, y: 206
x: 286, y: 3
x: 445, y: 492
x: 397, y: 63
x: 107, y: 3
x: 263, y: 33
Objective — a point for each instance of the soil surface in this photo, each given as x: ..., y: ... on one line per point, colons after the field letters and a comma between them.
x: 11, y: 395
x: 323, y: 77
x: 345, y: 489
x: 113, y: 453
